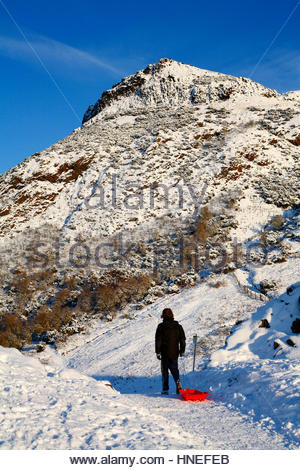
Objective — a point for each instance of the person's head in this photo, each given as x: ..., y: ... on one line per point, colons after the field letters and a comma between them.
x: 167, y: 314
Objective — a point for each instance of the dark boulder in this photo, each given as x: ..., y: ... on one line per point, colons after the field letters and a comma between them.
x: 296, y: 326
x: 266, y: 285
x: 264, y: 324
x: 289, y: 290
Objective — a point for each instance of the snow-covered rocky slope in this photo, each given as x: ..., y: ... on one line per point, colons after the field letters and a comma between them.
x: 273, y: 331
x: 170, y: 124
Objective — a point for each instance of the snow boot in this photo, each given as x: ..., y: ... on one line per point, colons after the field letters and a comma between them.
x: 178, y: 386
x: 165, y: 392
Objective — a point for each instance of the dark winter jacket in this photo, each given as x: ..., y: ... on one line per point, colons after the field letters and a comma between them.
x: 169, y: 339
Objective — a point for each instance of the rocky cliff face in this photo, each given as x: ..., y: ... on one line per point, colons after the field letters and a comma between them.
x: 170, y: 83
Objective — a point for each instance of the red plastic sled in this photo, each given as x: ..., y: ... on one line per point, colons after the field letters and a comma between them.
x: 189, y: 394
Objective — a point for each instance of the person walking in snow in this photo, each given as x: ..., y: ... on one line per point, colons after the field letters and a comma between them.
x: 169, y: 344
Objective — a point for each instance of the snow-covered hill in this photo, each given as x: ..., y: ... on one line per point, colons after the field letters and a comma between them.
x: 181, y: 189
x: 172, y: 170
x: 171, y: 124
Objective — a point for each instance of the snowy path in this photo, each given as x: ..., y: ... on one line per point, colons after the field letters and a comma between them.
x: 208, y: 425
x: 125, y: 357
x: 62, y: 409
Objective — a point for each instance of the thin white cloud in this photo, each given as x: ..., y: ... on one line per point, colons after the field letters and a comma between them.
x: 282, y: 68
x: 50, y: 50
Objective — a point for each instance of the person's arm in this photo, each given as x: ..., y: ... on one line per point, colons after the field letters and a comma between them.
x: 158, y: 340
x: 181, y: 341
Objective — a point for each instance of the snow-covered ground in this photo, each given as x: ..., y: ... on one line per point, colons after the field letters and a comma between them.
x: 50, y: 407
x: 63, y: 400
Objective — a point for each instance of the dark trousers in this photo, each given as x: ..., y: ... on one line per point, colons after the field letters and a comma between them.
x: 166, y: 365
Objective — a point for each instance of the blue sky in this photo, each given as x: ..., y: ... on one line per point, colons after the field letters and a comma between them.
x: 88, y: 46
